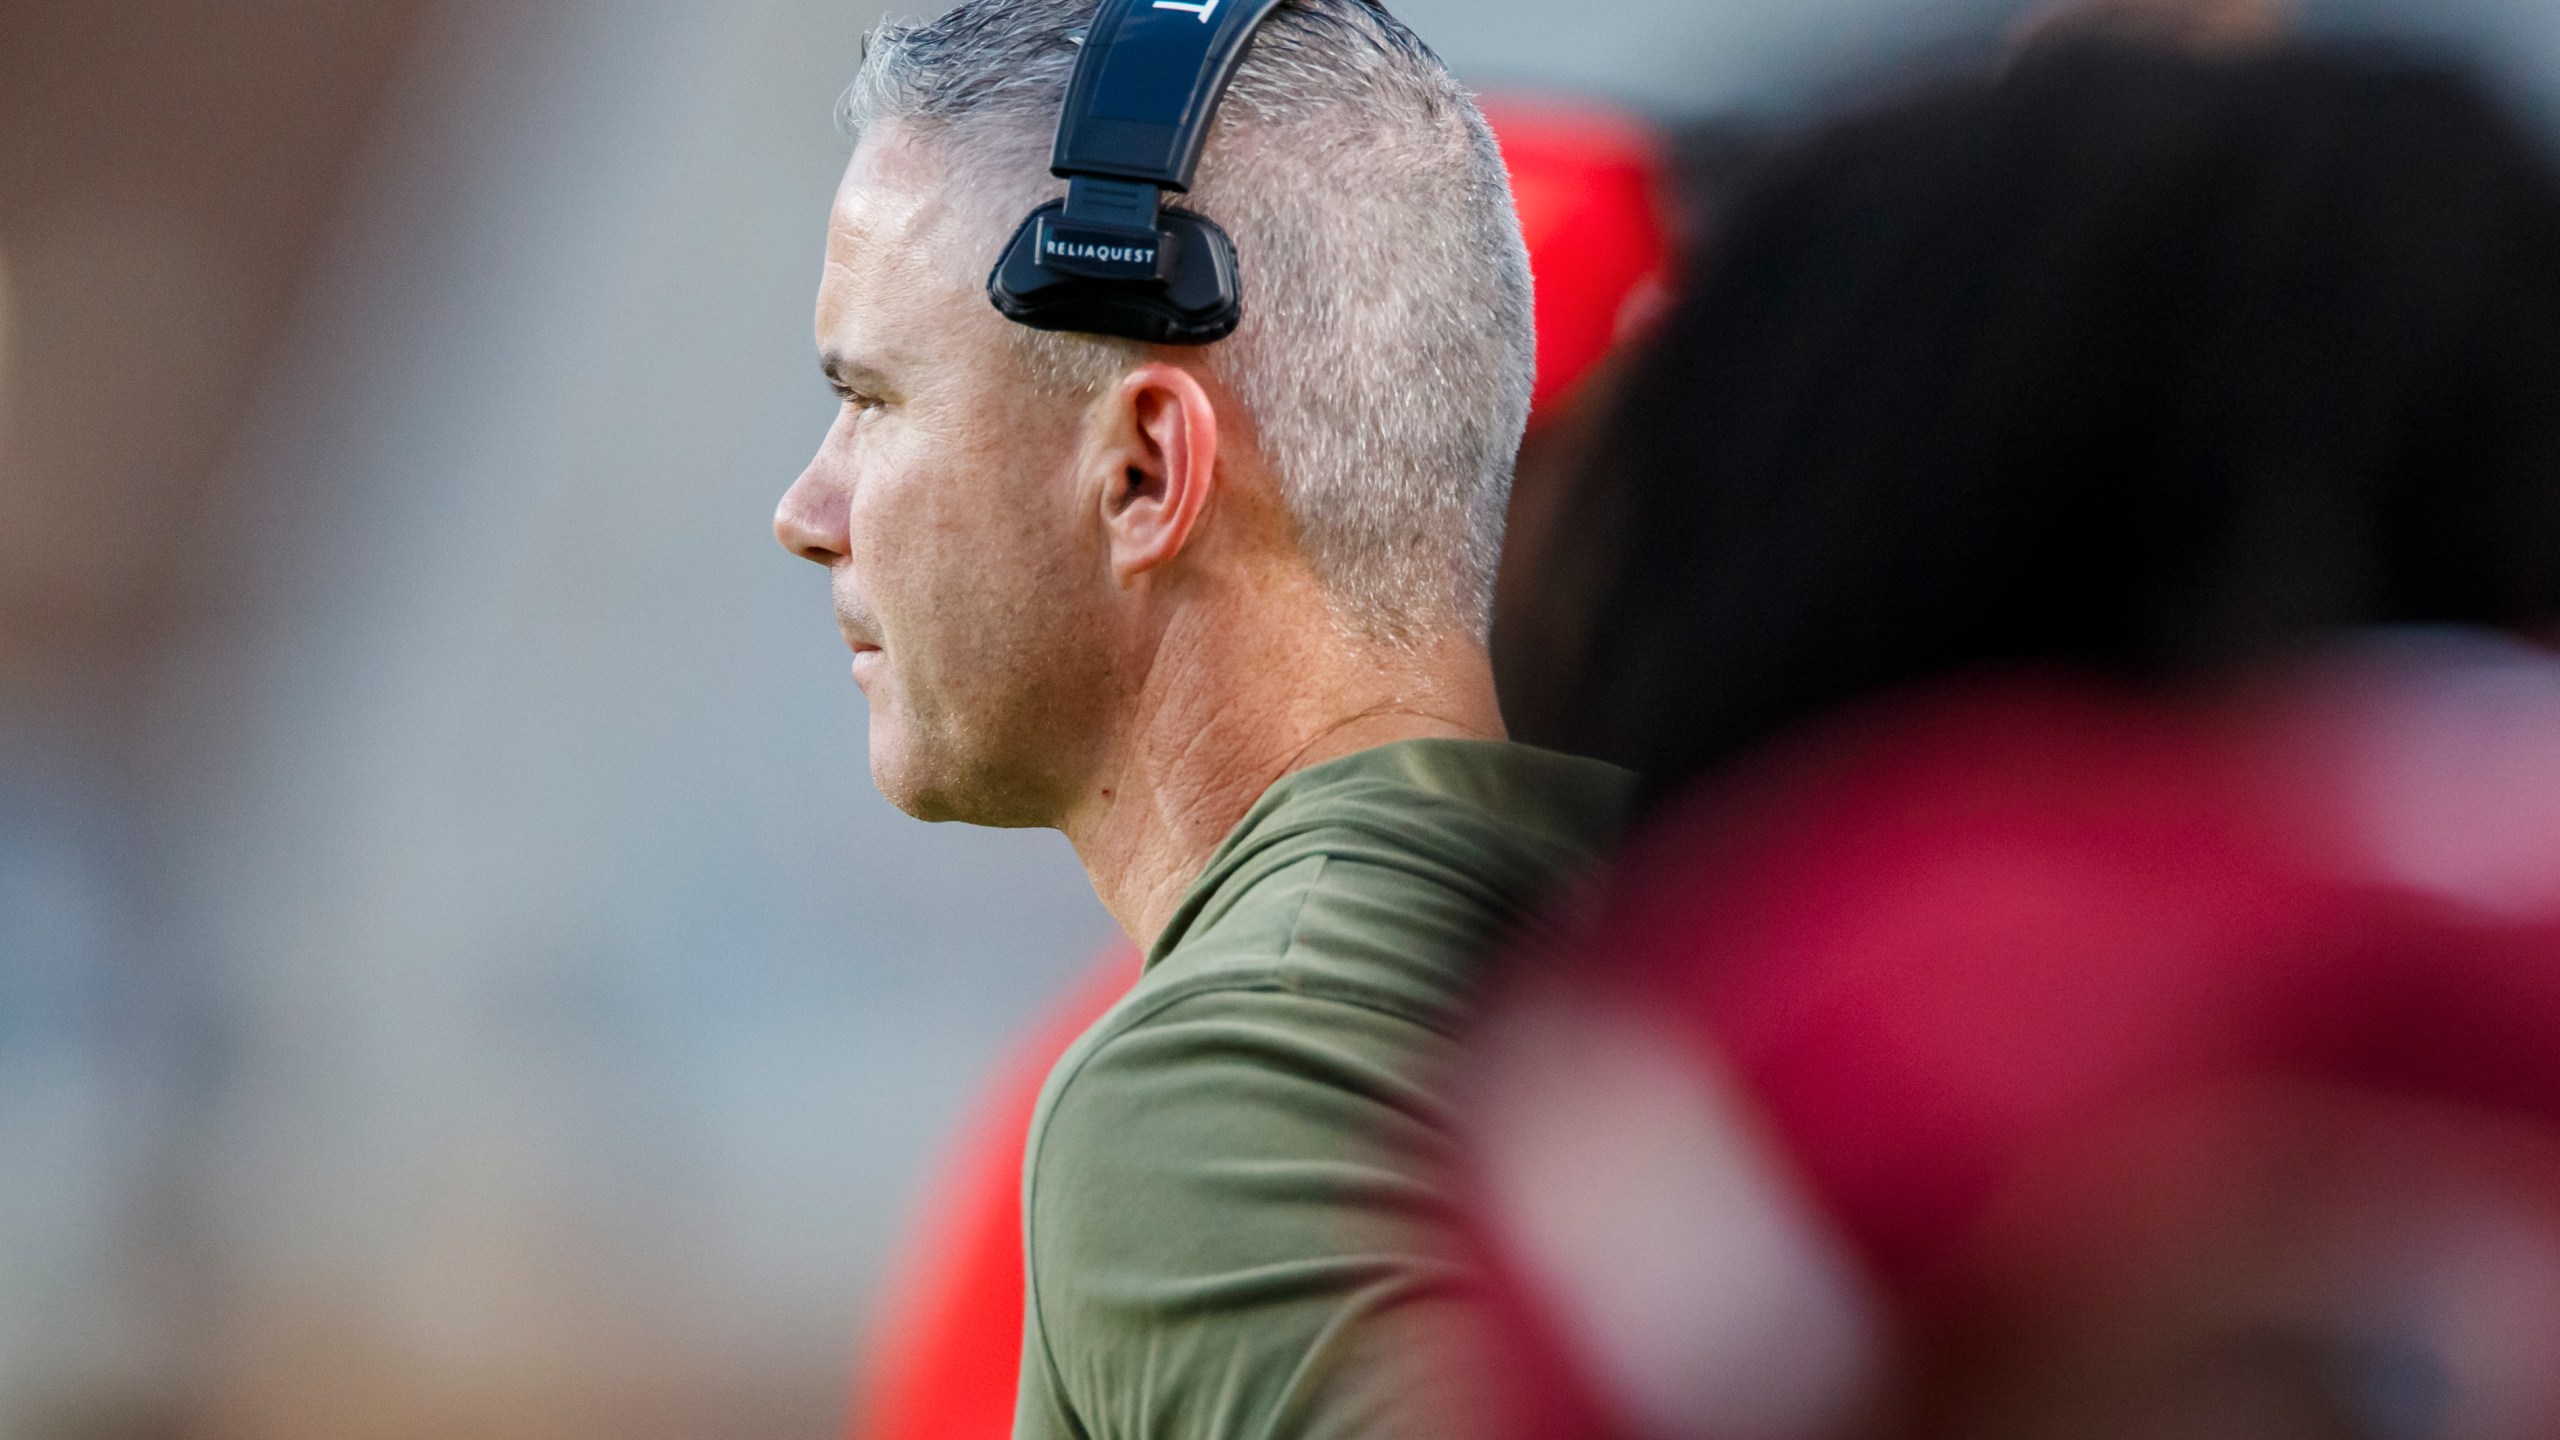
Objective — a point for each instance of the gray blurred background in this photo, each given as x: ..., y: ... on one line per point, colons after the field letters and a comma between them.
x: 455, y: 975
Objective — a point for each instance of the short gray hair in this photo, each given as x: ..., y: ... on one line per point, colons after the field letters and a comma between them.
x: 1387, y: 346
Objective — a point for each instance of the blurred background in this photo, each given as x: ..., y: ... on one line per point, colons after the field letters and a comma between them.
x: 455, y: 975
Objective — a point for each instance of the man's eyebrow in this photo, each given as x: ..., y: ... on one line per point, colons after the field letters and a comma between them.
x: 849, y: 373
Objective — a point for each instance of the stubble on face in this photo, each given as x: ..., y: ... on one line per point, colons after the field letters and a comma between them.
x: 973, y: 562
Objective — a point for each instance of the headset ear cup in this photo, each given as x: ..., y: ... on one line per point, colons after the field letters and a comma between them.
x: 1197, y: 305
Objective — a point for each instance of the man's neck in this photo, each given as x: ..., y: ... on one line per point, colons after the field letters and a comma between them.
x: 1219, y: 723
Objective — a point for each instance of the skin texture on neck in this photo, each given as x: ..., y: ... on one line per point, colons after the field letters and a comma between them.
x: 1235, y: 702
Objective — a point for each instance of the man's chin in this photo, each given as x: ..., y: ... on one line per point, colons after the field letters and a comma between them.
x: 912, y: 780
x: 900, y: 780
x: 939, y: 789
x: 925, y: 803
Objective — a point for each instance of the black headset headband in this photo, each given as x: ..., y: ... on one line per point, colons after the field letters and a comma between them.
x: 1111, y: 259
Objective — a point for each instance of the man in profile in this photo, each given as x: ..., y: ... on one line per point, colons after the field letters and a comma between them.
x: 1218, y: 614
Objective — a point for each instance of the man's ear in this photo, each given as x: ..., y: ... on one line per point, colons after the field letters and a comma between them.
x: 1164, y: 461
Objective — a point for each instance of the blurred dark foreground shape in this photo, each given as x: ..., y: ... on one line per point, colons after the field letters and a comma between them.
x: 2089, y: 549
x: 2041, y: 1059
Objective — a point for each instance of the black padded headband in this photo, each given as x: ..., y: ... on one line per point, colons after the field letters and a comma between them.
x: 1147, y: 86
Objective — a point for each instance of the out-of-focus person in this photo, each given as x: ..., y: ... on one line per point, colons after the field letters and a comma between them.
x: 2088, y: 554
x: 2123, y: 360
x: 1552, y: 582
x: 944, y: 1353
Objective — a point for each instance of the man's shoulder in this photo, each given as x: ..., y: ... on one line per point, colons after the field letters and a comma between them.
x: 1470, y: 804
x: 1392, y: 865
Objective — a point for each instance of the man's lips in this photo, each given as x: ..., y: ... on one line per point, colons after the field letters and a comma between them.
x: 855, y: 622
x: 860, y: 629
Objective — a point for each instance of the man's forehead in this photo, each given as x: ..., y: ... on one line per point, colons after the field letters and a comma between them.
x: 890, y: 228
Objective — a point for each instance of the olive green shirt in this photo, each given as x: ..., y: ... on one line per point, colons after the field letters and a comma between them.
x: 1232, y: 1211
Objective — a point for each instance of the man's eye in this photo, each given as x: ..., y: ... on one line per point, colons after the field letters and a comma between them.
x: 857, y: 399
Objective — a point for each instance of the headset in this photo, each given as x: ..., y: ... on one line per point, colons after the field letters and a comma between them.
x: 1112, y: 258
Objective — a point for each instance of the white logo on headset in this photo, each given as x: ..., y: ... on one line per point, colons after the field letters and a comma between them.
x: 1109, y: 254
x: 1202, y: 8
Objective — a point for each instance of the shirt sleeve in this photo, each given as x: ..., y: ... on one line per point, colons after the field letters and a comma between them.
x: 1236, y: 1228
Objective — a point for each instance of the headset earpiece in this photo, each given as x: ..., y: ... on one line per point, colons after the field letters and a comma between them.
x: 1187, y: 295
x: 1111, y: 258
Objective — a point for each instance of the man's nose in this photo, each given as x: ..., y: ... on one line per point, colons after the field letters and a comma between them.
x: 810, y: 522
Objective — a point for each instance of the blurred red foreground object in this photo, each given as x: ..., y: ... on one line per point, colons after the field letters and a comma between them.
x: 946, y: 1350
x: 1589, y: 185
x: 946, y: 1353
x: 2095, y: 1065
